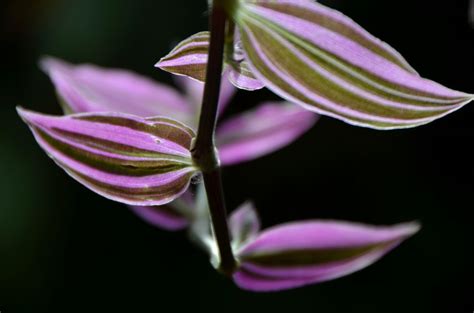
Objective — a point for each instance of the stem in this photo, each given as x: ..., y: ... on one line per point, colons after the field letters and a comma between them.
x: 204, y: 150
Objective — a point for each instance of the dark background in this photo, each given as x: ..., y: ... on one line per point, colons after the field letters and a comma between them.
x: 65, y: 249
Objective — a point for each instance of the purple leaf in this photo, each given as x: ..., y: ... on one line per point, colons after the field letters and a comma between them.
x: 89, y: 88
x: 189, y: 58
x: 266, y: 129
x: 301, y: 253
x: 244, y: 224
x: 124, y: 158
x: 317, y: 57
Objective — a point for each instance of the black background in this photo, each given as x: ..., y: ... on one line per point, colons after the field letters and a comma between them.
x: 65, y: 249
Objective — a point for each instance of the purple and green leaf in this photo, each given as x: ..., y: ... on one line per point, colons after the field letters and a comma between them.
x: 322, y: 60
x: 122, y: 157
x: 189, y: 58
x: 319, y: 58
x: 301, y: 253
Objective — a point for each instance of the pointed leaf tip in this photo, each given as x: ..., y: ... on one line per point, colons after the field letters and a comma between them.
x: 121, y: 157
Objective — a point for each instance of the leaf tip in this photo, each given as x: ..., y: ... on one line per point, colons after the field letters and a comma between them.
x: 159, y: 63
x: 409, y: 229
x: 25, y: 115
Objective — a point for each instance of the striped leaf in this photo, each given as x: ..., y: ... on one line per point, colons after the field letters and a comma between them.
x: 125, y: 158
x: 301, y: 253
x: 319, y: 58
x: 189, y: 58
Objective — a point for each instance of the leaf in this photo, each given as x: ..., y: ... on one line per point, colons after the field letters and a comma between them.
x: 244, y: 224
x: 269, y: 127
x: 301, y: 253
x: 124, y: 158
x: 317, y: 57
x: 89, y: 88
x: 189, y: 58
